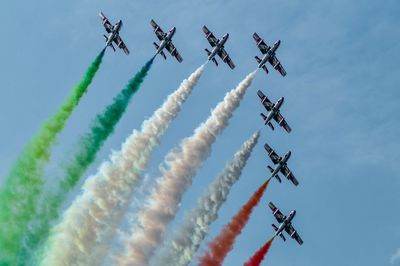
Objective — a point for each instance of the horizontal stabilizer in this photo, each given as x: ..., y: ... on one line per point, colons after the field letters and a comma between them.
x: 207, y: 51
x: 105, y: 37
x: 270, y: 169
x: 163, y: 55
x: 215, y: 61
x: 265, y: 68
x: 271, y: 126
x: 156, y: 45
x: 258, y: 59
x: 112, y: 46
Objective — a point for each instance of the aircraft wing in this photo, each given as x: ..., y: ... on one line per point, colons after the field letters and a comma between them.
x: 289, y: 175
x: 106, y: 23
x: 277, y: 213
x: 120, y: 43
x: 159, y: 32
x: 172, y: 50
x: 293, y: 234
x: 272, y: 154
x: 264, y: 100
x: 277, y: 65
x: 260, y: 43
x: 282, y: 122
x: 210, y: 36
x: 225, y: 57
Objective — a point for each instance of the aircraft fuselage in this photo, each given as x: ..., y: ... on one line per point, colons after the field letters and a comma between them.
x: 166, y: 40
x: 114, y: 33
x: 275, y: 109
x: 281, y: 164
x: 269, y: 54
x: 285, y: 223
x: 219, y: 46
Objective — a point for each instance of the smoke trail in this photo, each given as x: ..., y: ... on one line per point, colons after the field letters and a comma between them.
x: 223, y: 243
x: 182, y: 165
x: 259, y: 256
x: 23, y: 186
x: 88, y: 225
x: 180, y: 249
x: 89, y: 145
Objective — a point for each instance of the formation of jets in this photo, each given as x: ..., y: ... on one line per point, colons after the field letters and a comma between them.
x: 273, y: 109
x: 218, y: 45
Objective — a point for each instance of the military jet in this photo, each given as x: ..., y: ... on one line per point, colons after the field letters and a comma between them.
x: 285, y: 224
x: 274, y: 112
x: 218, y: 48
x: 165, y: 42
x: 269, y: 55
x: 113, y: 33
x: 280, y: 165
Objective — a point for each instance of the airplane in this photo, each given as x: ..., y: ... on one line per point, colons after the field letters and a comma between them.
x: 280, y: 165
x: 113, y: 34
x: 285, y: 224
x: 269, y: 55
x: 274, y: 112
x: 166, y: 42
x: 218, y: 48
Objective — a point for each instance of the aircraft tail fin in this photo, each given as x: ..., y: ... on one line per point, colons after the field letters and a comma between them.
x: 280, y: 234
x: 214, y: 60
x: 276, y: 176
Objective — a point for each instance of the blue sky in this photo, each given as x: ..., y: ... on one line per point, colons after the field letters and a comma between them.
x: 341, y: 99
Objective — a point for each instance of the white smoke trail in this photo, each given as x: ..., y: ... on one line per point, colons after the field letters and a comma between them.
x: 90, y: 222
x: 183, y: 244
x: 182, y: 165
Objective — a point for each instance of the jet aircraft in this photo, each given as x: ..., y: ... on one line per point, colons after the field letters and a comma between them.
x: 218, y: 48
x: 280, y: 165
x: 113, y: 34
x: 274, y: 112
x: 165, y: 41
x: 285, y: 224
x: 269, y: 55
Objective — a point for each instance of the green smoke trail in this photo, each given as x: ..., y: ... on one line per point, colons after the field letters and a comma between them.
x: 89, y: 145
x: 24, y: 184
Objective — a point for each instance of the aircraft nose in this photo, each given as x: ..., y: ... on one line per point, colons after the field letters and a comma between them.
x: 278, y: 43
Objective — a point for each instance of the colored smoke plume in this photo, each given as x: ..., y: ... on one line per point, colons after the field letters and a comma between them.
x: 259, y: 256
x: 223, y: 243
x: 185, y: 241
x: 181, y: 166
x: 89, y: 224
x: 23, y: 186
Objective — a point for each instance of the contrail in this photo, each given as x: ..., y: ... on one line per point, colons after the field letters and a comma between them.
x: 180, y: 249
x: 23, y: 186
x: 89, y: 224
x: 182, y: 164
x: 83, y: 156
x: 223, y: 243
x: 259, y: 256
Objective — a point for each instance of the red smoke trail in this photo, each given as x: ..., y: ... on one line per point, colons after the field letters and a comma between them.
x: 223, y: 243
x: 258, y: 257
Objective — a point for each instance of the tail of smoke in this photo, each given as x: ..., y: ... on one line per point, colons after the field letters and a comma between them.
x: 219, y: 248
